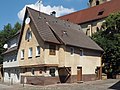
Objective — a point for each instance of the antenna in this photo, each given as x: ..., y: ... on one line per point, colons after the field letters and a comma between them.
x: 39, y: 2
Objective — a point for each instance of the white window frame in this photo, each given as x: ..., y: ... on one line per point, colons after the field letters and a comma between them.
x: 72, y: 51
x: 38, y: 51
x: 22, y: 54
x: 30, y: 52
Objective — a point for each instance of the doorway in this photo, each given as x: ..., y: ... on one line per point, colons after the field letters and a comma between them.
x: 98, y: 73
x: 79, y: 74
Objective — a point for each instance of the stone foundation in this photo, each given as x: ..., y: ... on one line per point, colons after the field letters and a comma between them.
x: 41, y: 80
x: 89, y: 77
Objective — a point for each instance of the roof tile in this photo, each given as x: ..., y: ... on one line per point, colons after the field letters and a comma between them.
x: 52, y: 29
x: 90, y: 14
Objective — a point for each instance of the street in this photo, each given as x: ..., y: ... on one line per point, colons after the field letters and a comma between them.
x: 111, y: 84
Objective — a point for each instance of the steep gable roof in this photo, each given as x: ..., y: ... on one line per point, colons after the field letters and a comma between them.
x: 54, y: 30
x: 93, y: 13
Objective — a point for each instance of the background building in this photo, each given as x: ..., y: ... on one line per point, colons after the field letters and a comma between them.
x: 96, y: 2
x: 91, y: 19
x: 10, y: 62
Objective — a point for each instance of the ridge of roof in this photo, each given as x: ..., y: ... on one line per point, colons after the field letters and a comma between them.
x: 91, y: 13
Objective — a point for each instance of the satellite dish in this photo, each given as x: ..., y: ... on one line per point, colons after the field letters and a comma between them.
x: 27, y: 21
x: 5, y: 46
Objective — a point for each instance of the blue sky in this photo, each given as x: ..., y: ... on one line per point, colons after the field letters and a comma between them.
x: 9, y: 9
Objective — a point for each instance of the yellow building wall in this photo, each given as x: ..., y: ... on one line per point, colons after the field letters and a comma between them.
x: 101, y: 1
x: 89, y: 64
x: 92, y: 26
x: 63, y: 58
x: 89, y: 61
x: 25, y: 44
x: 51, y: 59
x: 62, y: 54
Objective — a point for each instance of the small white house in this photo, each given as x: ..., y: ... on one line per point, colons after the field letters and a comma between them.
x: 10, y: 63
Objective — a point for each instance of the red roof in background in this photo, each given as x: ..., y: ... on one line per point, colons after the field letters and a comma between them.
x: 90, y: 14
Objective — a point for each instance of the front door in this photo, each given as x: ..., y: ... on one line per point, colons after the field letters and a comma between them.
x: 79, y: 73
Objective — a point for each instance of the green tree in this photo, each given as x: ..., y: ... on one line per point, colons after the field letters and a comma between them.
x: 109, y: 40
x: 7, y: 32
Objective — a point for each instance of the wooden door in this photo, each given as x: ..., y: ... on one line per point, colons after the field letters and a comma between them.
x: 99, y: 73
x: 79, y: 73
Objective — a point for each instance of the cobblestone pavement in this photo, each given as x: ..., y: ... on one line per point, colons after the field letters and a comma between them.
x: 111, y: 84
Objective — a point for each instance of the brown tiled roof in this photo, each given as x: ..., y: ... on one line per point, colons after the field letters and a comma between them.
x: 52, y: 29
x: 10, y: 50
x: 91, y: 14
x: 73, y: 37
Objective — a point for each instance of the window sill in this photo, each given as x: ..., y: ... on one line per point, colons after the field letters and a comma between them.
x: 29, y: 57
x: 22, y: 58
x: 52, y: 54
x: 37, y: 56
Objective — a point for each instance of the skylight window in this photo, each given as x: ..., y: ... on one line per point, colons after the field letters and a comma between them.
x: 100, y: 13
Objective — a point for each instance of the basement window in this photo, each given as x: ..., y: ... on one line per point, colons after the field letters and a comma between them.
x: 52, y: 72
x: 33, y: 71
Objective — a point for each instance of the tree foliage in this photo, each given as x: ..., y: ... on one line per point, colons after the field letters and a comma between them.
x: 109, y: 40
x: 7, y: 32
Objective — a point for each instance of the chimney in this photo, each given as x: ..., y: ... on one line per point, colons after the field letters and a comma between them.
x: 53, y: 13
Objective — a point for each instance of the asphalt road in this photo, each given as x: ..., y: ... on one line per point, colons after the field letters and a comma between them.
x: 111, y: 84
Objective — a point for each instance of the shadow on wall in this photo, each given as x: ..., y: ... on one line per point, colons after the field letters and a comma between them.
x: 116, y: 86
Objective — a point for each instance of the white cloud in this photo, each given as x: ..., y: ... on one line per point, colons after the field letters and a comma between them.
x: 60, y: 10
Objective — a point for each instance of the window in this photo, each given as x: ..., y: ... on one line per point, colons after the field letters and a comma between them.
x: 100, y: 13
x: 28, y: 35
x: 52, y: 49
x: 52, y: 72
x: 72, y: 51
x: 33, y: 71
x: 22, y: 54
x: 88, y: 32
x: 97, y: 29
x: 30, y: 52
x: 81, y: 52
x: 24, y: 70
x: 38, y: 51
x: 97, y: 2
